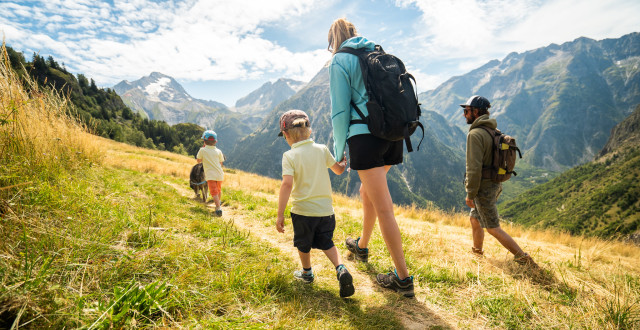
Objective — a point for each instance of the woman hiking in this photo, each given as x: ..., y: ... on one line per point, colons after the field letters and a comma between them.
x: 371, y: 156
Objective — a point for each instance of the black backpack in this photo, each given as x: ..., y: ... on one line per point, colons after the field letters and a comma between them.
x: 393, y: 102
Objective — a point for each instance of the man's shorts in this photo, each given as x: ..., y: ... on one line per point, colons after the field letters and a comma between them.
x: 313, y: 232
x: 367, y: 151
x: 486, y: 211
x: 215, y: 187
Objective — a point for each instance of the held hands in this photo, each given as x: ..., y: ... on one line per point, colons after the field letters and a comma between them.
x: 343, y: 162
x: 339, y: 167
x: 280, y: 224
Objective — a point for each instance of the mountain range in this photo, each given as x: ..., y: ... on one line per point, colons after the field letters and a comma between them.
x: 160, y: 97
x: 559, y: 101
x: 261, y: 101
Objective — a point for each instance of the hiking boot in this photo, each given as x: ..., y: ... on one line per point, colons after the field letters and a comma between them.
x: 525, y: 260
x: 360, y: 254
x: 391, y: 281
x: 218, y: 213
x: 346, y: 282
x: 301, y: 275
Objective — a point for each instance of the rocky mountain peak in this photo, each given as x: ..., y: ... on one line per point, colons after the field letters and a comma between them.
x: 625, y: 133
x: 261, y: 101
x: 159, y: 96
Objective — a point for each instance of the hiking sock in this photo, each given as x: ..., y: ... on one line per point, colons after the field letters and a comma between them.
x: 339, y: 267
x: 398, y: 277
x: 307, y: 271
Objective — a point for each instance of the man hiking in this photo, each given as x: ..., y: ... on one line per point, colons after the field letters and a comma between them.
x: 482, y: 193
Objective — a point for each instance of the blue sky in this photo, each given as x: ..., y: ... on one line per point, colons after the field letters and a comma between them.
x: 223, y: 49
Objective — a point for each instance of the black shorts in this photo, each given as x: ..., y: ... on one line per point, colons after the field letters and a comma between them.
x: 313, y: 232
x: 367, y: 151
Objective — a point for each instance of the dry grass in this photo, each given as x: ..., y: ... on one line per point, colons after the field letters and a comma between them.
x: 585, y: 282
x: 121, y: 155
x: 35, y: 124
x: 118, y: 155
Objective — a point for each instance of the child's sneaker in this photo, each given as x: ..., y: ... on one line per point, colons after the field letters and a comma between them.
x: 218, y: 213
x: 346, y: 282
x: 391, y: 281
x: 301, y: 275
x: 360, y: 254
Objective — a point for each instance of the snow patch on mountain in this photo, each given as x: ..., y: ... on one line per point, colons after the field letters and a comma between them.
x: 157, y: 87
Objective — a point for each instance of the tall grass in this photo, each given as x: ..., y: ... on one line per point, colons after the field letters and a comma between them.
x: 39, y: 144
x: 38, y: 137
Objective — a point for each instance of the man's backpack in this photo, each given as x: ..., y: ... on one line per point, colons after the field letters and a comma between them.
x: 393, y: 102
x: 503, y: 154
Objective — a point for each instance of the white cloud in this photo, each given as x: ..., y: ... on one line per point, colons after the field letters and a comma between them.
x: 195, y: 40
x: 424, y: 81
x: 559, y: 21
x: 465, y: 26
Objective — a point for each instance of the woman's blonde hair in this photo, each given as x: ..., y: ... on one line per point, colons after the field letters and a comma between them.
x: 340, y: 30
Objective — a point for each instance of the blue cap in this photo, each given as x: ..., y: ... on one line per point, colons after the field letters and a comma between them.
x: 209, y: 135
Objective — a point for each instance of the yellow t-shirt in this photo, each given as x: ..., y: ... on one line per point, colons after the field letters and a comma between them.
x: 308, y: 162
x: 211, y: 159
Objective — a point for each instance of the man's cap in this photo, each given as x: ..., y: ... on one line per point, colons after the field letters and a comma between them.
x: 477, y: 101
x: 287, y: 119
x: 209, y: 135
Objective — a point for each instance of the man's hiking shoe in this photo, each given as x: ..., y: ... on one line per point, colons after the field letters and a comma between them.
x: 218, y: 213
x: 525, y: 260
x: 477, y: 252
x: 346, y: 282
x: 360, y: 254
x: 301, y: 275
x: 391, y: 281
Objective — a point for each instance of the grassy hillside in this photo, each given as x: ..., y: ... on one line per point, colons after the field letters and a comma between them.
x: 104, y: 112
x: 100, y: 234
x: 600, y: 198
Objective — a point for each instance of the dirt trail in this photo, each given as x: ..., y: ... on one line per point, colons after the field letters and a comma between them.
x: 415, y: 313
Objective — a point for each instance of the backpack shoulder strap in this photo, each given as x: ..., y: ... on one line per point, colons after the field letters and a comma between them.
x: 491, y: 131
x: 361, y: 54
x: 487, y: 170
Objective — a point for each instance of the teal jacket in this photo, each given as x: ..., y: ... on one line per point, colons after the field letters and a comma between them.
x: 346, y: 84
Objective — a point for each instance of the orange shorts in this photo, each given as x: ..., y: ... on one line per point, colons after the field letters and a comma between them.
x: 215, y: 187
